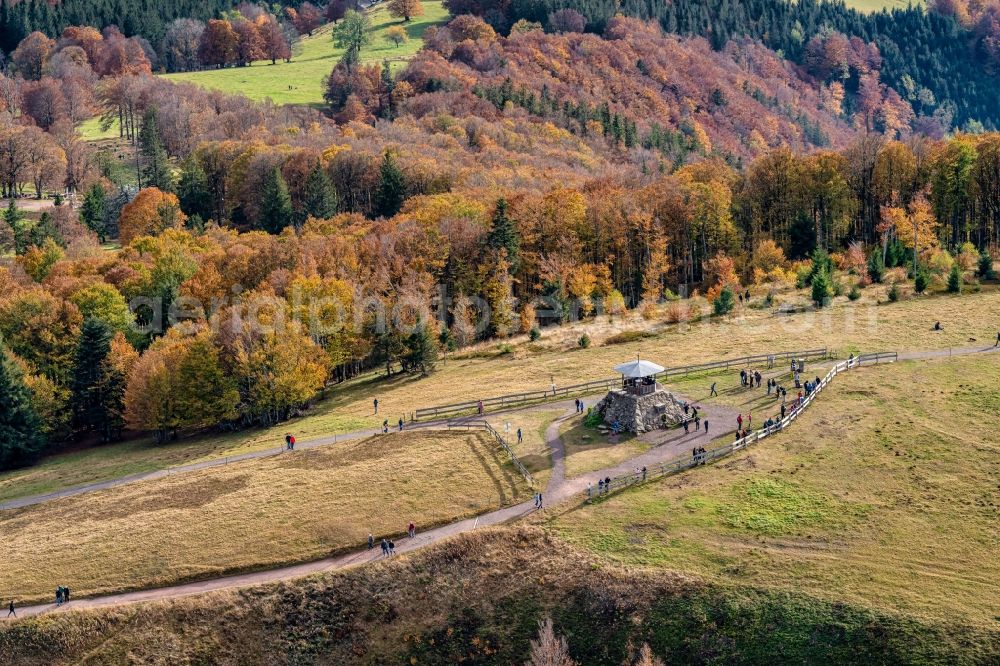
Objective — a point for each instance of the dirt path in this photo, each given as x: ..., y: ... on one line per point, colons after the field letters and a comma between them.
x: 559, y: 489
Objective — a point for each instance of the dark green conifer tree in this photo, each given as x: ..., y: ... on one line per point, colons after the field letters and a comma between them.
x: 276, y: 210
x: 21, y: 438
x: 391, y: 192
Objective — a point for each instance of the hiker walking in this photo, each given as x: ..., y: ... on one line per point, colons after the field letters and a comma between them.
x: 59, y: 596
x: 392, y: 547
x: 713, y: 391
x: 479, y: 406
x: 291, y: 442
x: 739, y: 421
x: 400, y: 424
x: 375, y: 402
x: 65, y: 595
x: 539, y: 500
x: 607, y: 484
x: 10, y: 609
x: 644, y: 473
x: 288, y: 441
x: 371, y: 542
x: 706, y: 426
x: 519, y: 437
x: 385, y: 547
x: 412, y: 530
x: 385, y: 426
x: 997, y: 343
x: 687, y: 425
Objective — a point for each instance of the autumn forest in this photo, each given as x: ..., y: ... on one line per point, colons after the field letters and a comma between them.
x: 209, y: 262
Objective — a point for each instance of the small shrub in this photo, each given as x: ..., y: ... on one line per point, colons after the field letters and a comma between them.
x: 838, y: 288
x: 769, y: 299
x: 985, y: 269
x: 678, y: 312
x: 893, y: 293
x: 505, y: 348
x: 534, y: 334
x: 724, y: 302
x: 854, y: 294
x: 584, y: 341
x: 593, y: 418
x: 626, y: 337
x: 920, y: 281
x: 820, y: 289
x: 876, y: 266
x: 955, y: 279
x: 896, y: 275
x: 802, y: 276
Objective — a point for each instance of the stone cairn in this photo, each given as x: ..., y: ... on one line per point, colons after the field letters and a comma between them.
x: 640, y: 413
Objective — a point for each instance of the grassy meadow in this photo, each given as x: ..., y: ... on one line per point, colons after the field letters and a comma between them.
x: 533, y: 451
x: 253, y: 515
x: 869, y: 6
x: 587, y: 450
x: 869, y: 324
x: 301, y: 80
x: 884, y: 494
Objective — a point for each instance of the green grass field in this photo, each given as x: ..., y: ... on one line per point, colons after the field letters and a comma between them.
x: 883, y: 494
x: 869, y: 6
x: 301, y: 81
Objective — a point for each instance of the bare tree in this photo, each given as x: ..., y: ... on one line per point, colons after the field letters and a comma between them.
x: 549, y: 649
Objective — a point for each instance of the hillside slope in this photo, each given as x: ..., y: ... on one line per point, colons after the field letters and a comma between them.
x: 478, y: 599
x: 636, y: 85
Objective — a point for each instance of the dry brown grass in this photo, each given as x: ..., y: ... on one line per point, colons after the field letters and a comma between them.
x: 884, y: 494
x: 478, y: 598
x: 256, y: 514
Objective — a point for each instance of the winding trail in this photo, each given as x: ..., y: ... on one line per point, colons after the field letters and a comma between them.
x: 558, y: 490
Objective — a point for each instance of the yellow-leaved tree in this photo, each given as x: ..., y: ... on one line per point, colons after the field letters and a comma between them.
x: 179, y: 383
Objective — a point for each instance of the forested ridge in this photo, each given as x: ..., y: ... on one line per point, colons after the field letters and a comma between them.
x: 933, y: 50
x: 146, y: 18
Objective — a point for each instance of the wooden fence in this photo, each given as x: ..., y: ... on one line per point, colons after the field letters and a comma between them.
x: 555, y: 393
x: 687, y: 462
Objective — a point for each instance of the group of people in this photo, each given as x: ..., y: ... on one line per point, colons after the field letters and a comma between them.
x: 603, y: 486
x: 388, y: 545
x: 289, y: 441
x: 691, y: 416
x: 698, y: 455
x: 750, y: 378
x: 385, y: 425
x: 538, y: 500
x: 62, y: 595
x: 579, y: 406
